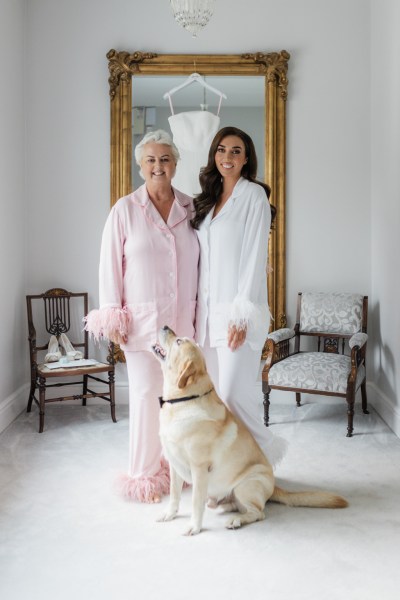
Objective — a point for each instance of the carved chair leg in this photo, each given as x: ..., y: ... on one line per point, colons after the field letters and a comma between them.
x: 298, y: 398
x: 84, y: 389
x: 350, y: 415
x: 364, y: 398
x: 42, y: 391
x: 266, y: 406
x: 31, y: 395
x: 111, y: 380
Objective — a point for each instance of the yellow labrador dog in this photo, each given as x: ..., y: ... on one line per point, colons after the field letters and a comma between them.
x: 206, y: 445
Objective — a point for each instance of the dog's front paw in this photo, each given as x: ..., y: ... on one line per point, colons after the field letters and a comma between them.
x: 234, y: 523
x: 193, y: 530
x: 167, y: 516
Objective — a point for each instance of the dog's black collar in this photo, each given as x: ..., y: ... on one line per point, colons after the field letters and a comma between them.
x: 183, y: 399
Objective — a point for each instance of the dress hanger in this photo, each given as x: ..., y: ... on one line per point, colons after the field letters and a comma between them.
x: 194, y: 78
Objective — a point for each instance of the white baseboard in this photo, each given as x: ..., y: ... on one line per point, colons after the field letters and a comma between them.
x: 385, y: 408
x: 13, y: 406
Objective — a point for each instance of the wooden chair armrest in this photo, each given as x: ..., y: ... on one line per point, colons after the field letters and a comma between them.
x: 357, y: 358
x: 275, y: 352
x: 111, y: 353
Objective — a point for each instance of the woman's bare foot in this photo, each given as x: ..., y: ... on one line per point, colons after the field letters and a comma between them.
x: 154, y: 499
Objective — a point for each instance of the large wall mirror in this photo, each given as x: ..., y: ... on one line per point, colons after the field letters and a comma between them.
x: 256, y: 90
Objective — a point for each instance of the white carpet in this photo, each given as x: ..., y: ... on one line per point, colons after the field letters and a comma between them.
x: 65, y: 534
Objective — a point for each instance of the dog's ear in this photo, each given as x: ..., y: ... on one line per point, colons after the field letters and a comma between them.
x: 187, y: 374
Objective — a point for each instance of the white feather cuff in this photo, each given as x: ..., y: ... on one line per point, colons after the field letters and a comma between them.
x: 244, y: 313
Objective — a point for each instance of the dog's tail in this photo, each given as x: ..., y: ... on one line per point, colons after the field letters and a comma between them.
x: 313, y: 499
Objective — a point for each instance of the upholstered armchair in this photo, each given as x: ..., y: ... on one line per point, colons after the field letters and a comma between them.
x: 336, y: 325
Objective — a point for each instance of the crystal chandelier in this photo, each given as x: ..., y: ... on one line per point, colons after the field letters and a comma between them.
x: 193, y: 15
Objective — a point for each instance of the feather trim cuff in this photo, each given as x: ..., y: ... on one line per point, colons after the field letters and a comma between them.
x: 243, y: 312
x: 106, y: 322
x: 144, y: 489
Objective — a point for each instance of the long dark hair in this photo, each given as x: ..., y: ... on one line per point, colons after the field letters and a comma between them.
x: 211, y: 180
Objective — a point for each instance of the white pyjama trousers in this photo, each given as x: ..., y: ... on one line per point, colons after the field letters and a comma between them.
x: 234, y: 374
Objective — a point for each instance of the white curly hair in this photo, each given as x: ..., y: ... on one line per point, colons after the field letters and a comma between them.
x: 158, y: 137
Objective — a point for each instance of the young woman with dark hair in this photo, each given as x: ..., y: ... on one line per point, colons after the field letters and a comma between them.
x: 233, y: 220
x: 210, y: 178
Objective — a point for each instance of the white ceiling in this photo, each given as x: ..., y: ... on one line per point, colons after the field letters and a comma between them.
x: 240, y: 91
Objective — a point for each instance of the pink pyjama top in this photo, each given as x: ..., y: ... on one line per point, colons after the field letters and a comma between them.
x: 148, y: 271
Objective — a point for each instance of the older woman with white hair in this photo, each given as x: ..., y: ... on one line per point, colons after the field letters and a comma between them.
x: 148, y: 279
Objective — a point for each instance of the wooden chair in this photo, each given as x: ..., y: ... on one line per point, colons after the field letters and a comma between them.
x: 337, y: 322
x: 55, y: 312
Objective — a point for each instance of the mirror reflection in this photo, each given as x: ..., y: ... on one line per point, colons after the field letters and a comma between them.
x: 132, y: 77
x: 193, y: 114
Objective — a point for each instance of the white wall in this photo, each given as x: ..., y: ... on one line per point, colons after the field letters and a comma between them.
x: 385, y: 207
x: 329, y: 161
x: 13, y: 250
x: 328, y: 126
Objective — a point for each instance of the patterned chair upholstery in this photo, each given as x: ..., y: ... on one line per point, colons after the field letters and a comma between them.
x: 337, y: 324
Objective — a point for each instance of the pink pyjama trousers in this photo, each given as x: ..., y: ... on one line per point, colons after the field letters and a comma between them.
x: 148, y: 473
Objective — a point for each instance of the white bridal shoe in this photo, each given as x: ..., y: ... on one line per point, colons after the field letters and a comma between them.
x: 53, y: 354
x: 69, y: 349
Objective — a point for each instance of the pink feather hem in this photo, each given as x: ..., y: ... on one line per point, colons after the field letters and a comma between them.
x: 106, y: 322
x: 144, y: 489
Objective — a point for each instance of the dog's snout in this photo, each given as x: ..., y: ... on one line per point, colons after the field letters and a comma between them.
x: 166, y: 334
x: 168, y: 330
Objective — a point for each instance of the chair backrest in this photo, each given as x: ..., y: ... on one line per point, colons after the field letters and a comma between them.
x: 330, y: 317
x: 55, y: 312
x: 331, y: 313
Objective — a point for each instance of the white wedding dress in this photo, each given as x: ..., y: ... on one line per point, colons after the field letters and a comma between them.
x: 192, y: 133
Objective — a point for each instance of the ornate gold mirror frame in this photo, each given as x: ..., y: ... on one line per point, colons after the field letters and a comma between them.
x: 123, y: 67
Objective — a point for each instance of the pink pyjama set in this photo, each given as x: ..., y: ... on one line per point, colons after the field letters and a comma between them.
x: 148, y: 278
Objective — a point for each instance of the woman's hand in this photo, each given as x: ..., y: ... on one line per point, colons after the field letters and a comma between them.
x: 236, y: 337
